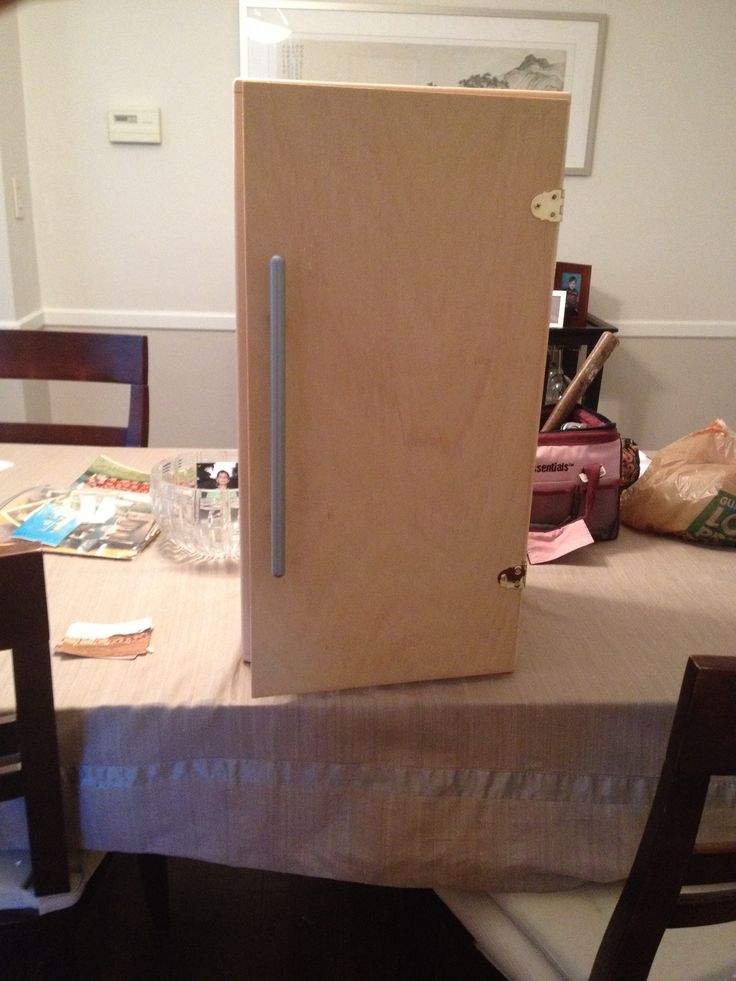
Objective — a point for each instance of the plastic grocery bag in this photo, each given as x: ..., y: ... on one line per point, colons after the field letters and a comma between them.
x: 689, y: 489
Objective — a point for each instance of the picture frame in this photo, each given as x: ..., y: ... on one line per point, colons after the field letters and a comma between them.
x: 217, y: 475
x: 407, y: 45
x: 574, y: 282
x: 557, y: 310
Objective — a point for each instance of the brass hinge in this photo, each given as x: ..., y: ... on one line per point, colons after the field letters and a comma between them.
x: 514, y: 577
x: 547, y: 206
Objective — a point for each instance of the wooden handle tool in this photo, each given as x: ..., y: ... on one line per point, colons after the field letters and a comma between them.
x: 577, y: 387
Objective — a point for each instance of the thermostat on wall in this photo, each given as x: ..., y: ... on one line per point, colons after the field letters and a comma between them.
x: 134, y: 125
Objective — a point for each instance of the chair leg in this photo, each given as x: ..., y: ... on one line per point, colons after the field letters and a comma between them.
x: 155, y: 878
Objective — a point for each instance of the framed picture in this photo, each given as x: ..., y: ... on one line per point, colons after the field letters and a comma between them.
x: 557, y: 310
x: 407, y: 45
x: 574, y: 282
x: 218, y: 475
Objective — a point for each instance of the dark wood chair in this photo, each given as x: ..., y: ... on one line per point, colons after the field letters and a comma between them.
x: 46, y: 878
x: 635, y: 930
x: 83, y: 357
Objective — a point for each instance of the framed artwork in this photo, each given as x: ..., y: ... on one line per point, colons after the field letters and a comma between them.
x: 574, y: 281
x: 557, y: 310
x: 407, y: 45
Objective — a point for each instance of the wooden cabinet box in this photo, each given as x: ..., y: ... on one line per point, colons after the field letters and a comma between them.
x: 412, y: 322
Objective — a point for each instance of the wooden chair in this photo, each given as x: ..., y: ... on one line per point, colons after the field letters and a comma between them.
x: 46, y: 878
x: 78, y: 356
x: 615, y: 933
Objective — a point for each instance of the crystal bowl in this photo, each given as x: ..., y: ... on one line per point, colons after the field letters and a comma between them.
x: 195, y: 499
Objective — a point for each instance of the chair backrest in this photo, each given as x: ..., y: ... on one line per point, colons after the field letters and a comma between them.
x: 702, y: 744
x: 78, y: 356
x: 29, y: 756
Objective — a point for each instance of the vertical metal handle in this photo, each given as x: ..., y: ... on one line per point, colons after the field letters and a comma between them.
x: 278, y: 415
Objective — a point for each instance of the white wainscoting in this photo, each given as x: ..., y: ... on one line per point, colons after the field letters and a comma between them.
x: 677, y: 328
x: 665, y: 379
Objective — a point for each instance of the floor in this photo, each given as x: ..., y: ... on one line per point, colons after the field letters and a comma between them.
x: 240, y: 924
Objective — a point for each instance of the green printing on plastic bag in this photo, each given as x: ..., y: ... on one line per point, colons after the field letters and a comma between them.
x: 716, y: 523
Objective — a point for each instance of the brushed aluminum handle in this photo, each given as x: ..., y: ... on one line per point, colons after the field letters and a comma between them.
x: 278, y: 415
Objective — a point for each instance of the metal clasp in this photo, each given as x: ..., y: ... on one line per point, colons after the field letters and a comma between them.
x: 547, y: 206
x: 514, y: 577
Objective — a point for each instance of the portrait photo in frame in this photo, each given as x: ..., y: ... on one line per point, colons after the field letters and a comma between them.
x: 218, y: 475
x: 574, y: 280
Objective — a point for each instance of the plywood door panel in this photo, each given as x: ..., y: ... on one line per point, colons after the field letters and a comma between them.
x: 418, y: 289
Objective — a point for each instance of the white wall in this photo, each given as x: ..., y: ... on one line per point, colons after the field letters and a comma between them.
x: 132, y: 227
x: 653, y: 219
x: 139, y: 236
x: 7, y: 291
x: 20, y: 297
x: 143, y: 235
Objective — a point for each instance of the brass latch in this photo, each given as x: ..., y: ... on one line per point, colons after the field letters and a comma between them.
x: 514, y: 577
x: 547, y: 206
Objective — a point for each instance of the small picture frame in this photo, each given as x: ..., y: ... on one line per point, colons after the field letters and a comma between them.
x: 574, y: 281
x: 218, y: 475
x: 557, y: 310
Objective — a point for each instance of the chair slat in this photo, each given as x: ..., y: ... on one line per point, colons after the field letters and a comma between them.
x: 712, y: 863
x: 8, y: 737
x: 59, y: 433
x: 74, y: 356
x: 704, y: 908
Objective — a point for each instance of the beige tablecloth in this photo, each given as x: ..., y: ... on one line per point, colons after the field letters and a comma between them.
x: 538, y: 777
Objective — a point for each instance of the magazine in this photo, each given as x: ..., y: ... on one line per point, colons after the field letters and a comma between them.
x: 106, y: 513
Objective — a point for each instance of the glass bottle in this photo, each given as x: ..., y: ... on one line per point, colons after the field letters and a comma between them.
x: 557, y: 380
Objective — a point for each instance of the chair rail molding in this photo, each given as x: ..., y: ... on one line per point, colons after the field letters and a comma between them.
x: 677, y: 329
x: 206, y: 320
x: 140, y: 319
x: 31, y: 321
x: 210, y: 320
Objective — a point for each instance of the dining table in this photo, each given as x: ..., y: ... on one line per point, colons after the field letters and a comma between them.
x: 538, y: 778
